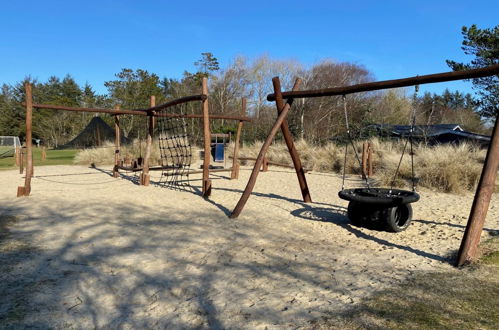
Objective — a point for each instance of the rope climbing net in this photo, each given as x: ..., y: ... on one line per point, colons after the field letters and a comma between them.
x: 175, y: 148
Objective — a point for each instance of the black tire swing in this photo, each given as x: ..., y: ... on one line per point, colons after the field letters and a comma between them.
x: 380, y: 207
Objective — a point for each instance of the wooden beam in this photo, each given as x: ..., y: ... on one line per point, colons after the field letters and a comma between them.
x: 207, y: 142
x: 258, y: 163
x: 471, y: 239
x: 145, y: 177
x: 98, y: 110
x: 117, y: 142
x: 186, y: 99
x: 136, y: 112
x: 397, y: 83
x: 288, y: 138
x: 26, y: 190
x: 235, y: 160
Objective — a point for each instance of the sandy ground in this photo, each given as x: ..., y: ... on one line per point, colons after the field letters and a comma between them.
x: 91, y: 251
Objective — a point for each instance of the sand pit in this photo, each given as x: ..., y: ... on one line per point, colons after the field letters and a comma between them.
x: 90, y: 251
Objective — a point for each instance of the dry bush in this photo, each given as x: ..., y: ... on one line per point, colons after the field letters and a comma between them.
x: 445, y: 168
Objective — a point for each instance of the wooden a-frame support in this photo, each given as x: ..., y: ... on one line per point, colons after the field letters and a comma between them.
x: 282, y: 123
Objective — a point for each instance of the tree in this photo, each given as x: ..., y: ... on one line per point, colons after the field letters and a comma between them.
x: 207, y: 65
x: 483, y: 44
x: 323, y: 117
x: 133, y: 90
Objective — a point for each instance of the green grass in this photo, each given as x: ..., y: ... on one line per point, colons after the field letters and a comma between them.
x: 466, y: 298
x: 54, y: 157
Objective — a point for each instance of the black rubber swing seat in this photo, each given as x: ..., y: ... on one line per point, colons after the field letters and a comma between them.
x: 379, y: 196
x: 385, y: 207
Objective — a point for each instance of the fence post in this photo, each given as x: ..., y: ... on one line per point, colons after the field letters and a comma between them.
x: 21, y: 160
x: 44, y: 154
x: 17, y: 155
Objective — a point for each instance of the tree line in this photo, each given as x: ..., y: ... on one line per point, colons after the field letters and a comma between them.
x: 315, y: 120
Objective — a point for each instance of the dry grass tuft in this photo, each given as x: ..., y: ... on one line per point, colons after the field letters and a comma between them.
x: 445, y: 168
x: 104, y: 155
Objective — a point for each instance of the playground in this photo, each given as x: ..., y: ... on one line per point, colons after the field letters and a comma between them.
x: 76, y: 254
x: 153, y: 241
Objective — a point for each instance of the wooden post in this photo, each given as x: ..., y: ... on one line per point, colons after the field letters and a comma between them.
x: 259, y: 160
x: 265, y: 164
x: 145, y: 177
x: 370, y: 160
x: 207, y: 142
x: 21, y: 160
x: 235, y: 160
x: 44, y: 154
x: 288, y: 138
x: 486, y: 185
x: 117, y: 142
x: 17, y: 155
x: 364, y: 160
x: 26, y: 190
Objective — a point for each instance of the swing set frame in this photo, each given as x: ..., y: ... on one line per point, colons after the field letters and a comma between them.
x: 284, y: 100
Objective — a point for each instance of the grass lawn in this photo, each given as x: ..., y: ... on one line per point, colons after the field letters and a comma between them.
x: 467, y: 298
x: 54, y: 157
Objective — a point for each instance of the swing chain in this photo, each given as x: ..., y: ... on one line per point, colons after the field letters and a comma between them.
x: 346, y: 145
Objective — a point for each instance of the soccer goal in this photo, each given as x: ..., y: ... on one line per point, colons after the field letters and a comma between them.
x: 8, y: 145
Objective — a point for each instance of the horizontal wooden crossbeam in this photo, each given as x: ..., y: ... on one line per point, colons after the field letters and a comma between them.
x: 397, y: 83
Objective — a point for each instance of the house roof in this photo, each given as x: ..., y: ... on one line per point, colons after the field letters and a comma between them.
x: 421, y: 131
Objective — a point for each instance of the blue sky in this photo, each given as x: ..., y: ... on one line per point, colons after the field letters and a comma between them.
x: 93, y: 40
